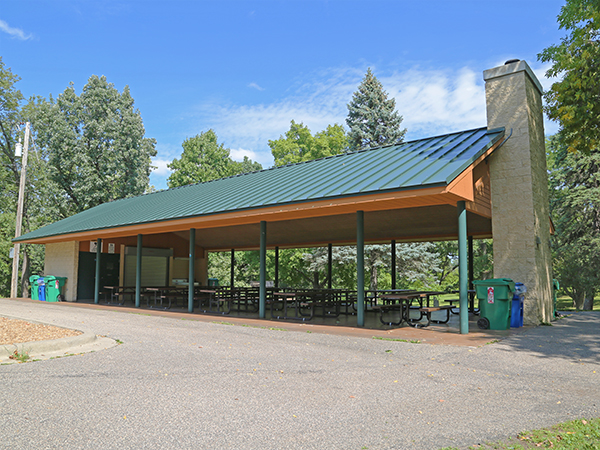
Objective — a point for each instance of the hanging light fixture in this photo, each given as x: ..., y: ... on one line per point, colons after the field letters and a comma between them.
x: 18, y: 149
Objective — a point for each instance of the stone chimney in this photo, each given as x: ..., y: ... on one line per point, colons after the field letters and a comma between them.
x: 519, y: 186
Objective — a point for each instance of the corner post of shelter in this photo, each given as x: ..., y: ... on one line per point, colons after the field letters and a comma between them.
x: 262, y: 298
x: 232, y: 274
x: 97, y: 282
x: 360, y: 268
x: 192, y: 270
x: 471, y: 270
x: 462, y: 267
x: 329, y: 266
x: 393, y: 264
x: 138, y: 272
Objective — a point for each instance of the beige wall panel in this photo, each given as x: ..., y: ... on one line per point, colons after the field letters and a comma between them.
x: 62, y: 260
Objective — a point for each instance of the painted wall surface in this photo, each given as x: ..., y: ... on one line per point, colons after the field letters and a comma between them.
x: 519, y: 187
x: 62, y: 260
x: 180, y: 268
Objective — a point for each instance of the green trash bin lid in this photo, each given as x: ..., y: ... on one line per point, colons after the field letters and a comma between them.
x: 33, y: 278
x: 503, y: 287
x: 493, y: 282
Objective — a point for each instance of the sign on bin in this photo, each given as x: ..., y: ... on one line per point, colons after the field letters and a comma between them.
x: 490, y: 295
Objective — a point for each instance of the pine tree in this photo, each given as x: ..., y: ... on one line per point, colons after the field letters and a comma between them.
x: 372, y: 117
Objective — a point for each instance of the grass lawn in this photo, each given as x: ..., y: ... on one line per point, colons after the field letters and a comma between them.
x: 566, y: 304
x: 563, y: 303
x: 580, y: 434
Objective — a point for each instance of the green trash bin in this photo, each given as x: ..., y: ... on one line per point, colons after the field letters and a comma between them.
x: 555, y: 288
x: 495, y: 297
x: 54, y: 288
x: 213, y: 281
x: 34, y: 287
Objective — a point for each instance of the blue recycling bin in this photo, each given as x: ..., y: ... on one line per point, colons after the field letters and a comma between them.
x: 516, y: 312
x: 41, y: 290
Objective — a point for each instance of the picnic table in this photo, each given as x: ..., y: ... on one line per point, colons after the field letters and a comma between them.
x: 403, y: 303
x: 294, y: 299
x: 217, y: 304
x: 116, y: 294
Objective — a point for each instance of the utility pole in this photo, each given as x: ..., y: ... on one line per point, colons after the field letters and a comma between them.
x: 15, y: 269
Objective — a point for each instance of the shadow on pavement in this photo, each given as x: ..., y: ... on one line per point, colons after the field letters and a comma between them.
x: 574, y: 337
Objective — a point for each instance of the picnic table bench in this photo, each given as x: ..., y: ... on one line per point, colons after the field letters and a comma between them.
x: 217, y: 304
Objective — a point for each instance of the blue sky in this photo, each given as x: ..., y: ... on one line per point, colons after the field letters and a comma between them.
x: 247, y: 68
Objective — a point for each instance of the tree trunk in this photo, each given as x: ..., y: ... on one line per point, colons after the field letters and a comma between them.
x: 25, y: 274
x: 373, y: 281
x: 588, y: 302
x: 578, y: 299
x: 315, y: 282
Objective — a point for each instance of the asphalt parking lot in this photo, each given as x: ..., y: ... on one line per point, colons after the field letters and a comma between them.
x: 181, y: 384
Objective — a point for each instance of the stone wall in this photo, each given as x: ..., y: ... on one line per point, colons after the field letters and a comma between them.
x: 62, y: 260
x: 519, y: 187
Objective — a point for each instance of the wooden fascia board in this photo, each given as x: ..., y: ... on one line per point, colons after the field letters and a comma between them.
x: 463, y: 185
x: 372, y: 202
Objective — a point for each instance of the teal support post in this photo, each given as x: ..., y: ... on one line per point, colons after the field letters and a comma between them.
x: 232, y: 281
x: 471, y: 274
x: 97, y: 285
x: 393, y: 264
x: 463, y: 279
x: 276, y: 267
x: 329, y: 266
x: 262, y: 296
x: 360, y: 268
x: 192, y: 270
x: 138, y: 271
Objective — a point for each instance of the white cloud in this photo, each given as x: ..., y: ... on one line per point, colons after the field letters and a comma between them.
x: 14, y: 32
x: 432, y: 102
x: 256, y: 86
x: 161, y: 167
x: 435, y: 102
x: 240, y: 153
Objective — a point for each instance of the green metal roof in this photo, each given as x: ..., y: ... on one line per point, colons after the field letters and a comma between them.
x: 422, y: 163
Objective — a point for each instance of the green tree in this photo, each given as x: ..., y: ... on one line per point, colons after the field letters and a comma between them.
x: 94, y: 145
x: 10, y: 170
x: 204, y: 159
x: 299, y: 144
x: 372, y: 117
x: 574, y: 101
x: 575, y: 205
x: 10, y: 117
x: 308, y: 267
x: 245, y: 166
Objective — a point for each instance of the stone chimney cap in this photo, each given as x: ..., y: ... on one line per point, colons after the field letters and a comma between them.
x: 509, y: 69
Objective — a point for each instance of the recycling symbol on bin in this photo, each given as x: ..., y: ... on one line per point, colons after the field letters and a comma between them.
x: 490, y: 295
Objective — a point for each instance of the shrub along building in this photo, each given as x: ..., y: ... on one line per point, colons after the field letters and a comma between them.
x: 486, y: 182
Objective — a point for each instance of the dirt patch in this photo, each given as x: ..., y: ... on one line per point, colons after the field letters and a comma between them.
x: 13, y: 331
